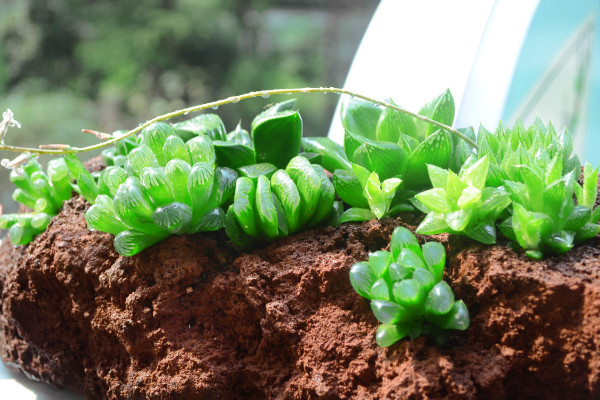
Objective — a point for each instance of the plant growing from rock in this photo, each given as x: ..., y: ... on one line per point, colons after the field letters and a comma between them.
x: 392, y: 145
x: 462, y: 204
x: 167, y: 186
x: 43, y: 192
x: 407, y: 293
x: 271, y: 203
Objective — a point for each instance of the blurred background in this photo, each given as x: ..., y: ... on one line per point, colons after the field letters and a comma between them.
x: 72, y: 64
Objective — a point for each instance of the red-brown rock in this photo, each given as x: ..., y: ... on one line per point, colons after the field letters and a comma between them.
x: 191, y: 318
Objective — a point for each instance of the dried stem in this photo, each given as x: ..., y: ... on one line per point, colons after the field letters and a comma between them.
x: 235, y: 99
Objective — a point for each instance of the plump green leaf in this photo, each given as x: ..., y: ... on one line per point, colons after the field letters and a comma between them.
x: 438, y: 176
x: 440, y: 299
x: 439, y: 109
x: 175, y: 148
x: 286, y: 191
x: 484, y: 232
x: 590, y: 185
x: 459, y: 220
x: 173, y: 218
x: 178, y: 172
x: 234, y: 230
x: 308, y: 183
x: 277, y: 137
x: 476, y: 174
x: 356, y: 215
x: 353, y: 141
x: 213, y: 220
x: 434, y: 255
x: 379, y: 261
x: 425, y: 278
x: 154, y: 137
x: 380, y: 290
x: 362, y: 278
x: 470, y: 198
x: 133, y: 206
x: 199, y: 186
x: 129, y: 243
x: 333, y: 156
x: 579, y: 216
x: 153, y: 179
x: 265, y: 209
x: 402, y: 238
x: 399, y: 272
x: 410, y: 294
x: 388, y: 312
x: 210, y: 125
x: 410, y: 259
x: 255, y: 170
x: 201, y: 149
x: 388, y: 334
x: 101, y: 216
x: 244, y: 205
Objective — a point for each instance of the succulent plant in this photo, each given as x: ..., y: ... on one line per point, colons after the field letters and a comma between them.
x: 408, y: 295
x: 545, y: 218
x: 166, y: 186
x: 393, y: 146
x: 270, y: 203
x: 461, y: 204
x: 42, y: 192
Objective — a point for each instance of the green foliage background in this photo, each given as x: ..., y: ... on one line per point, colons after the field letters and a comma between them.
x: 72, y: 64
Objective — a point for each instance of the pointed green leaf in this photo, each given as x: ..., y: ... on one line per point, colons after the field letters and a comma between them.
x: 459, y: 220
x: 392, y: 124
x: 333, y: 156
x: 349, y: 189
x: 435, y: 199
x: 233, y: 155
x: 356, y: 215
x: 360, y: 116
x: 410, y: 294
x: 439, y: 109
x: 438, y: 176
x: 387, y: 159
x: 433, y: 224
x: 402, y: 238
x: 436, y: 150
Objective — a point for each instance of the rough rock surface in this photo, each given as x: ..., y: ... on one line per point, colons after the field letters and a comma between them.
x: 191, y: 318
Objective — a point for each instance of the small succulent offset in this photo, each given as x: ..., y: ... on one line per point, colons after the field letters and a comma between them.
x: 43, y: 192
x: 271, y: 203
x: 166, y: 186
x: 546, y: 219
x: 407, y: 293
x: 461, y: 204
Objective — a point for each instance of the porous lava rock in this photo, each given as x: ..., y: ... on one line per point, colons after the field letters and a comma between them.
x: 192, y: 318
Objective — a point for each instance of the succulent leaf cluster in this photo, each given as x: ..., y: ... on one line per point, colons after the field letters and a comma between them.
x: 166, y: 186
x: 408, y: 295
x: 271, y: 203
x: 43, y: 192
x: 461, y: 204
x: 393, y: 146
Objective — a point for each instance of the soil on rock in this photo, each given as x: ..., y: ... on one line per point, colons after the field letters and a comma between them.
x: 191, y: 318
